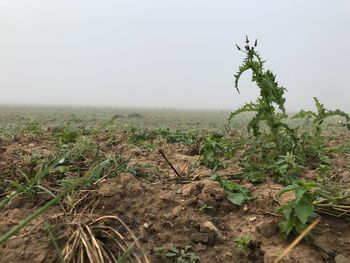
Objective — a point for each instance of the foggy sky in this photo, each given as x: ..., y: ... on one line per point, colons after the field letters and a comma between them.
x: 170, y: 53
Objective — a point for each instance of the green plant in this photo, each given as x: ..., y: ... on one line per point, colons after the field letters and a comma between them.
x: 32, y: 185
x: 286, y: 168
x: 242, y: 243
x: 298, y: 212
x: 182, y: 255
x: 271, y: 97
x: 212, y: 149
x: 67, y: 136
x: 178, y: 136
x: 235, y: 193
x: 54, y: 239
x: 141, y: 137
x: 275, y: 146
x: 203, y: 206
x: 145, y: 171
x: 319, y: 117
x: 33, y: 127
x: 312, y: 145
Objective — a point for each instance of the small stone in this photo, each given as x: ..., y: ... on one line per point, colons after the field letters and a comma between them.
x: 199, y: 247
x: 145, y: 225
x: 179, y: 191
x: 145, y: 235
x: 16, y: 202
x: 268, y: 229
x: 177, y: 211
x: 209, y: 227
x: 341, y: 259
x: 205, y: 238
x: 40, y: 258
x: 15, y: 243
x: 31, y: 145
x: 167, y: 224
x: 228, y: 254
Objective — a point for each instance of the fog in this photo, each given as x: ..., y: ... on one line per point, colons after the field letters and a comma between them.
x: 173, y: 54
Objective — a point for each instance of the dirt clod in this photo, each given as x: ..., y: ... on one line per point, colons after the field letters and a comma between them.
x: 341, y: 259
x: 269, y: 228
x: 209, y: 227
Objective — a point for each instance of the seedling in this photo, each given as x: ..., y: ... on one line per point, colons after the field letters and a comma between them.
x: 180, y: 254
x: 203, y: 206
x: 242, y: 243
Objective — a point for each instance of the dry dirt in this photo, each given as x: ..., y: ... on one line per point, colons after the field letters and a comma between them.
x: 164, y: 212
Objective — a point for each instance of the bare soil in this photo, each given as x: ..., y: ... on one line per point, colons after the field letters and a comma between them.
x: 165, y: 213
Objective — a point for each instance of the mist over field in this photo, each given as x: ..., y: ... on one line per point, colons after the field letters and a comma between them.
x: 173, y: 54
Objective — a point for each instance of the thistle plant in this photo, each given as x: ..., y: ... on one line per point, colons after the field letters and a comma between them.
x: 313, y: 144
x: 270, y: 101
x: 280, y: 140
x: 319, y: 116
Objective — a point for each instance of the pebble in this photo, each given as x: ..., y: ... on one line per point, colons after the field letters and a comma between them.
x: 341, y: 259
x: 268, y: 229
x: 199, y: 247
x: 204, y: 238
x: 211, y: 228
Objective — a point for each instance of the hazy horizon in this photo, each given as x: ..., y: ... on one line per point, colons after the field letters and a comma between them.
x: 170, y: 55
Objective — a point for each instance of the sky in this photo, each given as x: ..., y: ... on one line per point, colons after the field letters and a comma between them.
x: 171, y: 53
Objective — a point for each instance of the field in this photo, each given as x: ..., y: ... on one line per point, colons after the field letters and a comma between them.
x: 159, y: 186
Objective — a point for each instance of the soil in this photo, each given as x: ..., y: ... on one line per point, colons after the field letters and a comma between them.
x: 164, y: 212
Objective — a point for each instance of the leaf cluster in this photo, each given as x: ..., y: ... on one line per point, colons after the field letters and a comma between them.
x: 300, y: 210
x: 235, y: 193
x: 320, y: 115
x: 213, y: 148
x: 242, y: 243
x: 179, y: 254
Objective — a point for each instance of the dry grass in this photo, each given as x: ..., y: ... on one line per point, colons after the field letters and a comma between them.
x: 103, y: 240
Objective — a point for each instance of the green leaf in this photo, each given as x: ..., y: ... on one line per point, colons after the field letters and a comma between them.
x: 235, y: 193
x: 285, y: 228
x: 235, y: 198
x: 287, y: 189
x: 171, y: 254
x: 303, y: 210
x: 286, y: 211
x: 300, y: 227
x: 299, y: 192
